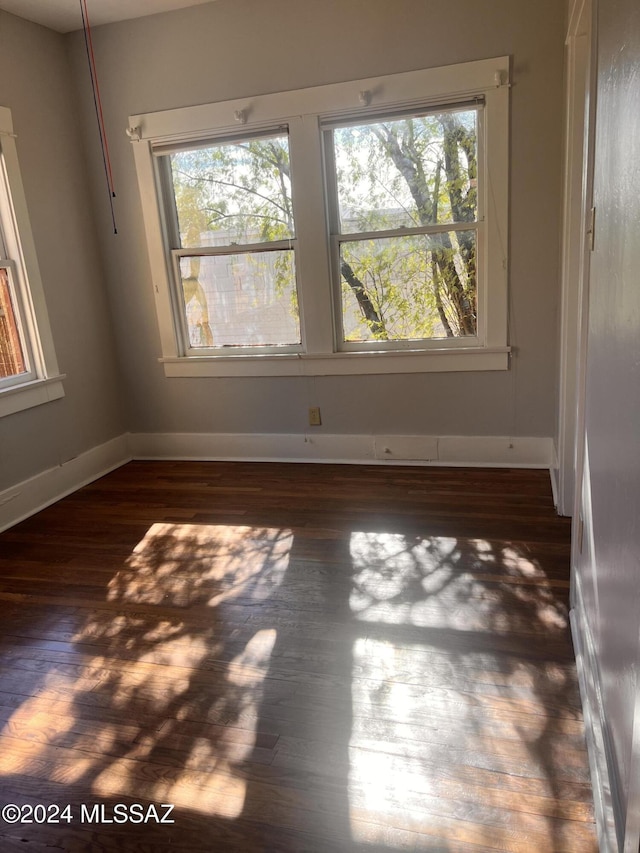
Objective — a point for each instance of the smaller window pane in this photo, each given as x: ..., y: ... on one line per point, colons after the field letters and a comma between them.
x: 409, y: 288
x: 236, y: 192
x: 241, y: 300
x: 12, y: 359
x: 408, y: 172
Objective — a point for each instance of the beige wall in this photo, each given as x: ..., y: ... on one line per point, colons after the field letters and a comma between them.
x: 237, y: 48
x: 35, y: 84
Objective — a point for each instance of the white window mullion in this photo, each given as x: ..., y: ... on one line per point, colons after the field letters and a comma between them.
x: 495, y: 162
x: 311, y: 228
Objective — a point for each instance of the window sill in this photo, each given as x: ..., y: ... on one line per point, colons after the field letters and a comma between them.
x: 341, y: 364
x: 17, y: 398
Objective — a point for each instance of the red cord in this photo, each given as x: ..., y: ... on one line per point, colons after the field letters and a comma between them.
x: 101, y: 117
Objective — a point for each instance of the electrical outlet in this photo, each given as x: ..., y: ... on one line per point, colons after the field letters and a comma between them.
x: 314, y: 416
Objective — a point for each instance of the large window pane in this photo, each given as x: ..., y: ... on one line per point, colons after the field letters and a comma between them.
x: 241, y: 300
x: 12, y: 361
x: 408, y: 172
x: 409, y: 288
x: 236, y: 192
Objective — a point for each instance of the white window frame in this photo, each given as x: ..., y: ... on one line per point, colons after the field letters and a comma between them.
x: 306, y: 112
x: 42, y: 382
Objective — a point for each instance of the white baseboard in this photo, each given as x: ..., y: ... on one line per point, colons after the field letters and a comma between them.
x: 458, y: 450
x: 30, y: 496
x: 604, y: 792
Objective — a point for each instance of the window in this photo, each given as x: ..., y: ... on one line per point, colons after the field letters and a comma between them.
x: 405, y: 219
x: 13, y: 363
x: 232, y: 236
x: 353, y: 228
x: 28, y: 368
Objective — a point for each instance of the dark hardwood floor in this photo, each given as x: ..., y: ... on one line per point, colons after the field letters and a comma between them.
x: 298, y: 658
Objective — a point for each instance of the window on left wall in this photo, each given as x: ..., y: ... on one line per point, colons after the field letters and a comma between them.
x: 29, y: 374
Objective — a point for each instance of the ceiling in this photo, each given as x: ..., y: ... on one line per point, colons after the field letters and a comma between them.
x: 65, y: 15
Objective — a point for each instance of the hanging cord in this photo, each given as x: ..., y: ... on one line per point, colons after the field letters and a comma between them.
x: 98, y: 99
x: 106, y: 160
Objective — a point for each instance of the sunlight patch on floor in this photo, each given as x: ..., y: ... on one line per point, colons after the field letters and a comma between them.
x: 422, y: 708
x: 422, y: 582
x: 215, y: 679
x: 411, y: 746
x: 182, y: 565
x: 394, y: 573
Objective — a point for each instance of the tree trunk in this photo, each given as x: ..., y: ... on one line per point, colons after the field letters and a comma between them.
x: 408, y: 163
x: 366, y: 306
x: 438, y: 295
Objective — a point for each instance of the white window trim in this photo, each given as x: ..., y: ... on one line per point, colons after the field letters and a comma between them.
x: 43, y: 382
x: 304, y: 111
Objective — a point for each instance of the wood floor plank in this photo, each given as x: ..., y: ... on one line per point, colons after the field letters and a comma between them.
x: 298, y: 657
